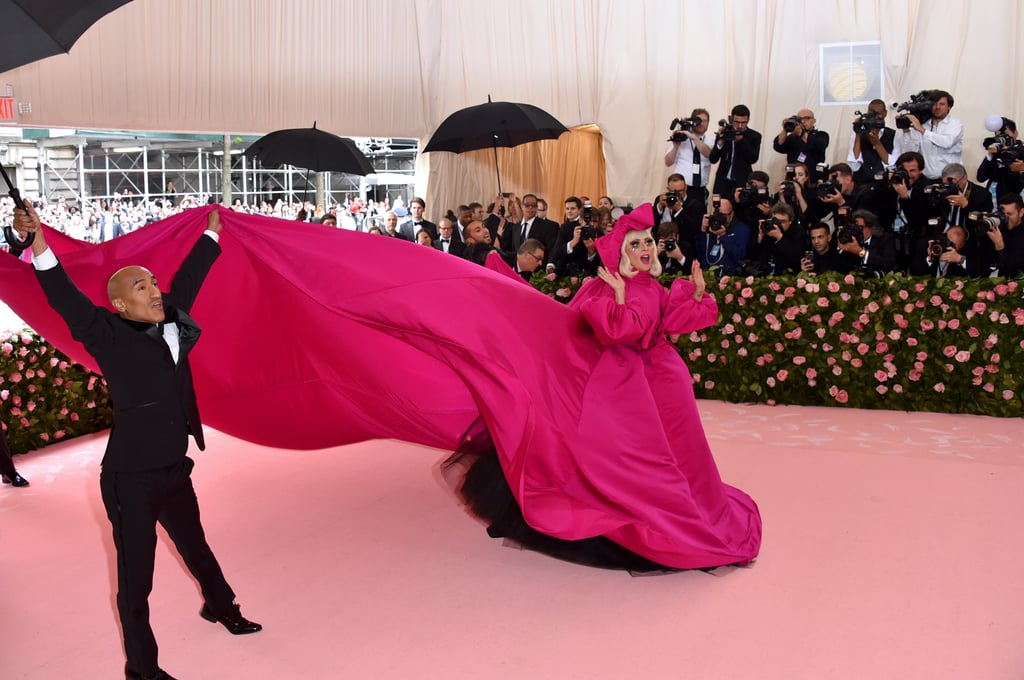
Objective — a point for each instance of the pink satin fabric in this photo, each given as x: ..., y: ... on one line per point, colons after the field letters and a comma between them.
x: 316, y: 337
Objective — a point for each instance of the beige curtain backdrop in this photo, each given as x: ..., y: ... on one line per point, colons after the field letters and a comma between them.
x: 399, y: 67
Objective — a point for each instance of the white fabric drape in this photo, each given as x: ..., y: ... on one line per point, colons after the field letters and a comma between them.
x: 399, y: 67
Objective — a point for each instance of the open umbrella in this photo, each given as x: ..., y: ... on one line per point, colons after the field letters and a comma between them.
x: 312, y: 149
x: 34, y: 29
x: 492, y: 125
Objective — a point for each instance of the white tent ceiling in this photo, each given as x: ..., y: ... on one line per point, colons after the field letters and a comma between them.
x: 399, y: 67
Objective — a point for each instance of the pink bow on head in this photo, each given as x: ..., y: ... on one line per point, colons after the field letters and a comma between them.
x: 609, y: 246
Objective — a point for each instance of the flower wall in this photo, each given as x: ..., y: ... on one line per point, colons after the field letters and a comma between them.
x: 899, y: 343
x: 44, y: 397
x: 896, y: 343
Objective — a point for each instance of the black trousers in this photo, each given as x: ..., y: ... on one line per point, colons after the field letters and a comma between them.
x: 135, y: 502
x: 6, y: 464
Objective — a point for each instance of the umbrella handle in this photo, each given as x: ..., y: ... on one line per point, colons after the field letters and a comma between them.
x: 16, y: 244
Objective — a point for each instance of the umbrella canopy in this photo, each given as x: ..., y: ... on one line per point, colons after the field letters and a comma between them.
x: 311, y: 149
x: 492, y: 125
x: 34, y: 29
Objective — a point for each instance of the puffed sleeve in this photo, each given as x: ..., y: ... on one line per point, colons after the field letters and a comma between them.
x: 684, y: 314
x: 613, y: 324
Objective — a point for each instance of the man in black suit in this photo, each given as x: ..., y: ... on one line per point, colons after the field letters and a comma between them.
x: 527, y: 259
x: 737, y: 147
x: 534, y: 227
x: 945, y: 256
x: 568, y: 233
x: 412, y: 226
x: 872, y: 248
x: 968, y: 197
x: 446, y: 241
x: 686, y: 210
x: 145, y: 478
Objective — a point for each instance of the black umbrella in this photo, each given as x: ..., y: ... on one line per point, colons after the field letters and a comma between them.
x: 311, y: 149
x: 35, y: 29
x: 492, y: 125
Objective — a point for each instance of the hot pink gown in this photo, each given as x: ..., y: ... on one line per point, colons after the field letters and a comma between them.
x: 316, y: 337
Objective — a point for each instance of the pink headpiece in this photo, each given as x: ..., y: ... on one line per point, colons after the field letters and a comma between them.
x: 609, y: 246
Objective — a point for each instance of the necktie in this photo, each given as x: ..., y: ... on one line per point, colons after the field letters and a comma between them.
x: 526, y: 230
x: 696, y: 166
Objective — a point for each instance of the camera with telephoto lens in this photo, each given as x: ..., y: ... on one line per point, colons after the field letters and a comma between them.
x: 919, y: 105
x: 899, y: 176
x: 826, y: 187
x: 670, y: 245
x: 789, y: 191
x: 717, y: 220
x: 866, y: 122
x: 1005, y: 148
x: 588, y: 232
x: 752, y: 194
x: 588, y: 212
x: 680, y: 125
x: 789, y: 125
x: 940, y: 191
x: 983, y: 221
x: 672, y: 198
x: 939, y: 245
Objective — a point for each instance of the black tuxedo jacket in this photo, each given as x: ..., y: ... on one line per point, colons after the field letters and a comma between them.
x: 543, y: 230
x: 456, y: 247
x: 882, y: 254
x: 407, y: 230
x: 154, y: 400
x: 747, y: 151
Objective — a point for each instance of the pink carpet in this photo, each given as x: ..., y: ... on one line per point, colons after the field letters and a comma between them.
x: 891, y: 550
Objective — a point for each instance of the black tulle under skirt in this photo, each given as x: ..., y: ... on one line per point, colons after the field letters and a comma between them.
x: 487, y: 494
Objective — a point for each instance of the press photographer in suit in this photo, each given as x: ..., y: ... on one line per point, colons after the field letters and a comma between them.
x: 737, y: 147
x: 801, y: 142
x: 872, y: 248
x: 945, y: 256
x: 142, y: 351
x: 1008, y: 237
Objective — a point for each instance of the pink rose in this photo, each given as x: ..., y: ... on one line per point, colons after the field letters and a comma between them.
x: 956, y: 295
x: 833, y: 287
x: 563, y: 292
x: 770, y: 381
x: 973, y: 332
x: 935, y: 300
x: 709, y: 385
x: 837, y: 370
x: 914, y: 375
x: 820, y: 332
x: 782, y: 375
x: 881, y: 348
x: 811, y: 373
x: 1007, y: 395
x: 939, y: 387
x: 842, y: 397
x: 747, y: 293
x: 856, y: 362
x: 989, y: 387
x: 863, y: 349
x: 897, y: 388
x: 962, y: 356
x: 74, y: 417
x: 911, y: 342
x: 823, y: 302
x: 881, y: 376
x: 881, y: 389
x: 979, y: 307
x: 14, y: 377
x: 927, y: 325
x: 799, y: 360
x: 949, y: 350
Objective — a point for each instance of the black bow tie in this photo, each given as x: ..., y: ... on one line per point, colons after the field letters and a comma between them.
x: 444, y: 240
x: 417, y: 223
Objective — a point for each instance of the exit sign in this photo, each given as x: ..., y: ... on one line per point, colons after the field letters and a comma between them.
x: 6, y: 108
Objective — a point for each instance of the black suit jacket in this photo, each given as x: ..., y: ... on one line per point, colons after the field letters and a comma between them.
x: 456, y: 247
x: 408, y: 229
x: 154, y: 400
x: 747, y: 151
x: 543, y: 230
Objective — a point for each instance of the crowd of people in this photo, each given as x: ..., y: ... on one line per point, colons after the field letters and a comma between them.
x: 902, y: 201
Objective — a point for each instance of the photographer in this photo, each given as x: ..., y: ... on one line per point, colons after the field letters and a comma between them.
x: 737, y: 147
x: 689, y: 152
x: 940, y: 140
x: 967, y: 196
x: 796, y: 191
x: 873, y: 146
x: 801, y: 142
x: 913, y: 208
x: 753, y: 201
x: 943, y: 256
x: 724, y: 240
x: 781, y: 242
x: 678, y: 205
x: 674, y: 260
x: 874, y: 250
x: 840, y: 190
x: 1008, y: 237
x: 823, y: 256
x: 584, y: 259
x: 568, y: 233
x: 1003, y: 166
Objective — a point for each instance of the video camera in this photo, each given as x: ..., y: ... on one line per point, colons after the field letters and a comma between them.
x: 866, y: 122
x: 680, y: 125
x: 919, y: 105
x: 726, y: 130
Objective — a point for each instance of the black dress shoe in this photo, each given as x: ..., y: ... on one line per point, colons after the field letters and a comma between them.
x: 159, y: 675
x: 16, y: 480
x: 234, y: 622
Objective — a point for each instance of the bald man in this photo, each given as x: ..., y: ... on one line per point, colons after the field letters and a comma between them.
x: 802, y: 142
x: 146, y: 475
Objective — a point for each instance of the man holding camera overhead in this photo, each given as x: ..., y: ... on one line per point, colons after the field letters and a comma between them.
x: 737, y: 147
x: 689, y: 153
x: 940, y: 139
x: 801, y: 142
